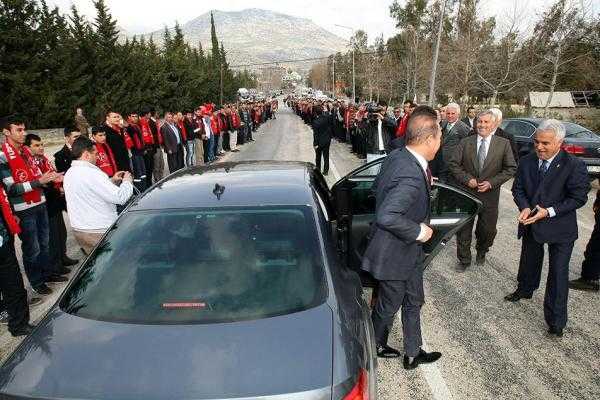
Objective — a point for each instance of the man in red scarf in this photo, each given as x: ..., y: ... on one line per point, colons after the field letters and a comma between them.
x: 138, y: 151
x: 105, y: 160
x: 118, y: 141
x: 55, y: 204
x: 150, y: 148
x: 409, y: 107
x: 24, y: 183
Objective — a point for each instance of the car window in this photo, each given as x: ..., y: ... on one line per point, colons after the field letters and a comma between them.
x: 202, y: 266
x: 578, y: 131
x: 519, y: 129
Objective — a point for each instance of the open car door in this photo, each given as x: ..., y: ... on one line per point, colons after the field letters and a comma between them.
x: 451, y: 208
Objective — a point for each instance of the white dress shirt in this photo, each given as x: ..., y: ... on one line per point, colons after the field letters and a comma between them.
x: 380, y: 145
x: 424, y: 164
x: 92, y: 197
x: 551, y: 211
x: 207, y: 128
x: 487, y: 144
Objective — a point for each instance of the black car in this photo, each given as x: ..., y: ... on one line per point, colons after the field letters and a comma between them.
x: 222, y: 282
x: 579, y: 140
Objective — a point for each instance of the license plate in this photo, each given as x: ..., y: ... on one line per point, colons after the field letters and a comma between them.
x: 593, y: 168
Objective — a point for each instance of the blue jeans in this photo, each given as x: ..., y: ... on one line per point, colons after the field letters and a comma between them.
x: 35, y: 235
x: 212, y: 144
x: 190, y: 154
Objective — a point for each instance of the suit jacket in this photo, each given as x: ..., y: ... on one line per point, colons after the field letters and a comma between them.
x: 63, y: 159
x: 451, y: 138
x: 508, y: 136
x: 564, y: 188
x: 170, y: 140
x: 388, y: 126
x: 498, y: 168
x: 322, y: 130
x: 403, y: 195
x: 116, y: 142
x: 468, y: 122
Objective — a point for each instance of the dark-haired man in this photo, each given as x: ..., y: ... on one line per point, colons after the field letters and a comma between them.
x: 92, y: 196
x: 138, y: 151
x: 322, y: 134
x: 24, y: 183
x: 63, y: 157
x: 471, y: 118
x: 408, y: 107
x: 395, y: 255
x: 117, y: 139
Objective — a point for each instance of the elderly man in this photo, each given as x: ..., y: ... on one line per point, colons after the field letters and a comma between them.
x: 92, y: 196
x: 453, y: 131
x: 549, y: 187
x: 481, y: 164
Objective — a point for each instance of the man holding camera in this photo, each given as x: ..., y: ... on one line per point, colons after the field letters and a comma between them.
x: 379, y: 130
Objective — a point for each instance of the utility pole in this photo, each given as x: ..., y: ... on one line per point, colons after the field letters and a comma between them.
x: 221, y: 84
x: 435, y: 56
x: 333, y: 75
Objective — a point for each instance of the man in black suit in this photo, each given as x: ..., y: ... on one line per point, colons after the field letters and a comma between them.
x: 173, y: 143
x: 322, y: 133
x: 64, y: 157
x: 471, y: 118
x: 481, y: 164
x: 549, y: 187
x: 379, y: 131
x: 115, y: 138
x: 590, y: 268
x: 394, y: 255
x: 453, y: 131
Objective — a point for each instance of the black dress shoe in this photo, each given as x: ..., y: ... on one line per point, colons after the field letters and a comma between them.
x: 385, y: 351
x: 22, y: 330
x: 422, y: 358
x: 56, y: 279
x: 587, y: 285
x: 69, y: 262
x: 42, y: 289
x: 516, y: 296
x: 480, y: 259
x: 558, y: 332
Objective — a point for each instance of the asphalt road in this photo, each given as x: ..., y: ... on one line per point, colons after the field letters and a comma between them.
x: 491, y: 349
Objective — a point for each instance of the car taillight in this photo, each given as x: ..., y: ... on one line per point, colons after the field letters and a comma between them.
x: 360, y: 391
x: 573, y: 149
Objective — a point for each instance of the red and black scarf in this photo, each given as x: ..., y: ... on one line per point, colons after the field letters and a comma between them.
x: 23, y: 169
x: 105, y: 160
x: 7, y: 213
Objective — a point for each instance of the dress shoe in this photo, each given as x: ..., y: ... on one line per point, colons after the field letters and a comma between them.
x: 22, y: 330
x: 516, y: 296
x: 462, y: 266
x: 63, y: 271
x: 42, y: 289
x: 480, y: 259
x: 56, y: 279
x: 385, y: 351
x: 4, y: 317
x: 34, y: 301
x: 422, y: 358
x: 69, y: 262
x: 587, y: 285
x: 558, y: 332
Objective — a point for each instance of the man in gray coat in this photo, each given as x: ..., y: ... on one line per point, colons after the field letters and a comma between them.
x: 395, y: 255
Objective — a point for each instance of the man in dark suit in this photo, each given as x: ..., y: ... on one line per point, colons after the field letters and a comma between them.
x: 378, y: 129
x: 173, y: 143
x: 115, y: 138
x: 322, y: 133
x: 549, y: 187
x: 590, y: 268
x: 502, y: 133
x: 481, y: 164
x: 471, y: 118
x: 394, y: 255
x: 64, y: 157
x: 453, y: 131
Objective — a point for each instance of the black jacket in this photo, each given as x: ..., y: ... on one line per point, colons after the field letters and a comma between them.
x: 388, y: 134
x: 322, y: 131
x: 63, y: 159
x: 116, y: 143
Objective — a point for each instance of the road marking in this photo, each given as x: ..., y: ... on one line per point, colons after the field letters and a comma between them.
x: 579, y: 223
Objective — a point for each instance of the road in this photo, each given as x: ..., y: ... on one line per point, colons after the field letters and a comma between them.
x: 491, y: 349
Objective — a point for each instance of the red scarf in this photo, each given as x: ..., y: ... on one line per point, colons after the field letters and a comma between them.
x: 7, y: 213
x: 105, y: 160
x: 235, y: 119
x: 146, y: 132
x: 214, y: 125
x: 182, y: 129
x: 126, y: 137
x: 401, y: 131
x: 23, y: 169
x: 45, y: 166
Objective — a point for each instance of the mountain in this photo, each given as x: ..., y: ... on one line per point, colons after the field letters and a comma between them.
x: 255, y: 36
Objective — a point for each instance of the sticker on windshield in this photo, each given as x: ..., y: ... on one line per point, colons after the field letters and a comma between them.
x: 183, y: 305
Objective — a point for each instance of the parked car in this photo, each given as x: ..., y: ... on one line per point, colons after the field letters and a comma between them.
x: 579, y: 141
x: 222, y: 282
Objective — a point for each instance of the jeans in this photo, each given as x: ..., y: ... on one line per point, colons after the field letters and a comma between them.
x: 219, y: 141
x: 139, y: 171
x: 35, y: 237
x: 232, y: 140
x: 210, y: 148
x: 190, y: 153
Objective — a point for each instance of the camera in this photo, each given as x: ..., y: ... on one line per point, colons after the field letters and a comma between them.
x: 372, y: 111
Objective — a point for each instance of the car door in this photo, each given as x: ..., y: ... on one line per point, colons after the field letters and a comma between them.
x: 451, y: 208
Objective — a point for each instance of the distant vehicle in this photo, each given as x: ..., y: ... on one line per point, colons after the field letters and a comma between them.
x: 223, y: 282
x: 579, y: 141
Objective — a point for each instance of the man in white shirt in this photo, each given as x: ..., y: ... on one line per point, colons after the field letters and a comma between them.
x: 92, y: 196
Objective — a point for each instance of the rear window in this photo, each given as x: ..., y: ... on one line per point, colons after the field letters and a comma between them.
x: 579, y: 132
x: 202, y: 266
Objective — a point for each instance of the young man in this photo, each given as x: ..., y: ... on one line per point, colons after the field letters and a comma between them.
x: 158, y: 158
x: 55, y: 204
x: 24, y: 183
x: 105, y: 160
x: 118, y: 140
x: 138, y: 151
x: 64, y: 157
x: 92, y: 196
x: 149, y: 147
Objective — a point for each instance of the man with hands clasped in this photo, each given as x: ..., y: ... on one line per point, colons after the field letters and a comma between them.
x: 549, y: 187
x: 481, y: 164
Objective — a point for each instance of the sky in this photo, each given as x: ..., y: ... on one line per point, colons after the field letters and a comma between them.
x: 372, y: 16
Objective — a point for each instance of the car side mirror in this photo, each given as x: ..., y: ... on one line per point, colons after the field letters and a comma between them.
x: 342, y: 194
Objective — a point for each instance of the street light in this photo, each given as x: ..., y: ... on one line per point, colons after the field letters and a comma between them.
x: 353, y: 70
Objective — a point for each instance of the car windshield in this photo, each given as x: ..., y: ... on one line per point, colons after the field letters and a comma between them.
x: 202, y: 266
x: 578, y: 131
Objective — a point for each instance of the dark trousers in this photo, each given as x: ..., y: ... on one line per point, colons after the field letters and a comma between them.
x: 226, y: 140
x: 557, y: 285
x: 12, y: 289
x: 35, y: 237
x: 149, y: 163
x: 485, y: 233
x: 139, y: 171
x: 322, y: 152
x: 57, y: 243
x: 175, y: 159
x: 590, y: 269
x: 391, y: 296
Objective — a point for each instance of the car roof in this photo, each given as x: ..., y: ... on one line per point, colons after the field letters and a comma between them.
x: 248, y: 183
x: 534, y: 121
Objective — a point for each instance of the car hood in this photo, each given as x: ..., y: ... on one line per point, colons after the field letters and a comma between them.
x: 68, y: 357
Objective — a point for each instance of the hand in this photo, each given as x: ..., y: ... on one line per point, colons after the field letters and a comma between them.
x: 316, y: 147
x: 127, y: 177
x: 60, y: 178
x: 17, y: 219
x: 48, y: 177
x: 117, y: 177
x: 524, y: 214
x: 428, y: 234
x: 541, y: 214
x: 484, y: 186
x: 472, y: 183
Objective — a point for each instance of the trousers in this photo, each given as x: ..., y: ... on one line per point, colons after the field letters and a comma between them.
x: 14, y: 295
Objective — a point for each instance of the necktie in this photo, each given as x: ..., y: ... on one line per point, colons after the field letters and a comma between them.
x: 543, y: 169
x: 481, y: 154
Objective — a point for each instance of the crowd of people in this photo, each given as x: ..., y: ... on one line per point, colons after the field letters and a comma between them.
x: 93, y: 177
